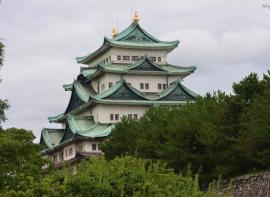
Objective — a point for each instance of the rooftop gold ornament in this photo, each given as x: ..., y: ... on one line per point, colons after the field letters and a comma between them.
x: 136, y: 17
x: 114, y: 32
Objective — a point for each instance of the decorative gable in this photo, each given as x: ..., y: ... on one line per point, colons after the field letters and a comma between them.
x: 124, y: 93
x: 67, y: 135
x: 178, y: 94
x: 146, y: 65
x: 138, y: 36
x: 74, y: 102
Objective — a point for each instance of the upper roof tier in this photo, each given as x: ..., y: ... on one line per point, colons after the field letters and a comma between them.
x: 133, y: 37
x: 143, y: 66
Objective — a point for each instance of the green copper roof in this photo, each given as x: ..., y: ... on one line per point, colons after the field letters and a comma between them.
x: 135, y: 33
x: 85, y: 126
x: 121, y: 91
x: 51, y: 137
x: 143, y: 66
x: 132, y: 37
x: 79, y: 123
x: 77, y: 126
x: 177, y: 92
x: 68, y: 87
x: 87, y: 71
x: 57, y: 118
x: 82, y: 91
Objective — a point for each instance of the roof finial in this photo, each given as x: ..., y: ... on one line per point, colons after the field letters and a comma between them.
x: 114, y: 32
x: 136, y: 17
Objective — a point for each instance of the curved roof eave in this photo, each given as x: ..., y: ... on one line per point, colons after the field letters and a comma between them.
x: 99, y: 51
x: 108, y: 43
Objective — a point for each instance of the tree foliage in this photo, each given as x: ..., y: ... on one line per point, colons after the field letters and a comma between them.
x: 126, y: 176
x: 218, y: 134
x: 20, y: 161
x: 3, y: 103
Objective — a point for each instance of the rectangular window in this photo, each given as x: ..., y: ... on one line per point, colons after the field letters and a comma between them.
x: 152, y: 59
x: 103, y: 61
x: 55, y: 158
x: 61, y: 156
x: 125, y: 57
x: 159, y: 59
x: 164, y: 86
x: 107, y: 60
x: 146, y: 86
x: 110, y: 84
x: 70, y: 151
x: 99, y: 146
x: 94, y: 147
x: 135, y: 116
x: 80, y: 147
x: 159, y: 86
x: 102, y: 87
x: 111, y: 116
x: 116, y: 116
x: 135, y: 58
x: 118, y: 57
x: 130, y: 116
x: 66, y: 153
x: 142, y: 86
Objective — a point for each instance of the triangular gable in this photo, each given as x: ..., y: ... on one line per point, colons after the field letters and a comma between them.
x: 137, y: 36
x: 79, y: 96
x: 68, y: 134
x: 121, y: 91
x: 74, y: 102
x: 177, y: 92
x: 43, y: 144
x: 135, y: 33
x: 51, y: 137
x: 124, y: 93
x: 146, y: 65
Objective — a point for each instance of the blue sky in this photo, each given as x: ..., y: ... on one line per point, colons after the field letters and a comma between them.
x: 226, y: 39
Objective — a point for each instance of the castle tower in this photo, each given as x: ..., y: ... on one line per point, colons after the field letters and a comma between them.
x: 127, y: 75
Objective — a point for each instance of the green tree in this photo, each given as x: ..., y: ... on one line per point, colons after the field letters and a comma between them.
x: 254, y: 141
x: 3, y: 103
x: 20, y: 159
x: 210, y: 134
x: 125, y: 176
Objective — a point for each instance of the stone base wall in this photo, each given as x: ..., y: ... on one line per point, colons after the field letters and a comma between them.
x: 253, y: 185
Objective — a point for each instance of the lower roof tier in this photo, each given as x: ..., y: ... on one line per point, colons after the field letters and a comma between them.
x: 76, y: 127
x: 124, y: 94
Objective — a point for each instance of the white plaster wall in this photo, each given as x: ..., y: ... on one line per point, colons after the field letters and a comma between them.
x: 173, y: 79
x: 136, y: 80
x: 88, y: 146
x: 102, y: 112
x: 94, y: 85
x: 138, y: 52
x: 73, y: 146
x: 152, y: 80
x: 101, y: 58
x: 113, y: 52
x: 85, y: 113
